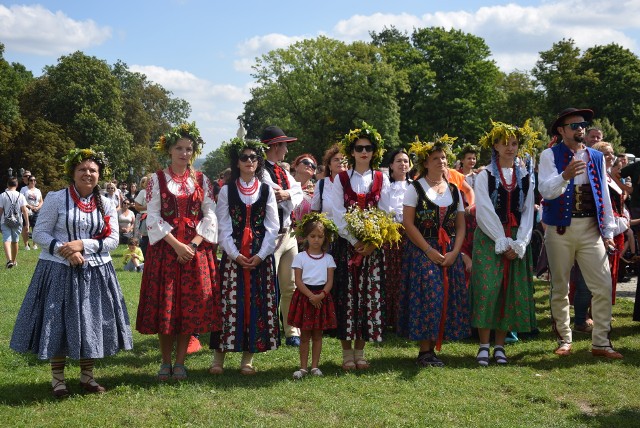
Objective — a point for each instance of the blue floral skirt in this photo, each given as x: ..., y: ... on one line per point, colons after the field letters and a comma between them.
x: 77, y: 312
x: 422, y: 297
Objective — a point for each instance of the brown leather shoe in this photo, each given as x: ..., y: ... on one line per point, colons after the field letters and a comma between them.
x: 583, y: 328
x: 564, y: 349
x: 607, y: 352
x: 93, y: 389
x: 60, y: 390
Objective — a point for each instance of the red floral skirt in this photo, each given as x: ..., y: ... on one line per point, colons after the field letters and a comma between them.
x: 305, y: 316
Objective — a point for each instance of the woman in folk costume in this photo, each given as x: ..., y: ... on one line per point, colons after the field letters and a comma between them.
x: 357, y: 290
x: 180, y: 293
x: 501, y: 281
x: 248, y: 215
x: 391, y: 202
x: 433, y: 295
x: 334, y: 163
x: 74, y: 305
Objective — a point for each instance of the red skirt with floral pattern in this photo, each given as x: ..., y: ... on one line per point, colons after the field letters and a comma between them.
x: 303, y: 315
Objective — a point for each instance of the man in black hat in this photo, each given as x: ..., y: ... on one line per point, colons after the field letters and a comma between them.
x: 288, y: 195
x: 577, y: 210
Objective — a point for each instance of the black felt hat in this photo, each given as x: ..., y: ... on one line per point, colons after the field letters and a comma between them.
x: 586, y: 113
x: 274, y: 135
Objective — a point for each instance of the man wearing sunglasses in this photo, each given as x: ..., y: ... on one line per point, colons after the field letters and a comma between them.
x: 288, y: 195
x: 580, y: 224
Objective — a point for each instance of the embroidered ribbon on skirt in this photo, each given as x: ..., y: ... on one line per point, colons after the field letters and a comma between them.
x: 443, y: 240
x: 245, y: 250
x: 506, y: 263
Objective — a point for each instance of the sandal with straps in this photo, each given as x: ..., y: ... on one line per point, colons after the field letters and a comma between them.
x: 60, y: 390
x: 179, y: 372
x: 499, y: 355
x: 347, y: 360
x: 164, y: 373
x: 483, y: 361
x: 361, y: 361
x: 93, y: 388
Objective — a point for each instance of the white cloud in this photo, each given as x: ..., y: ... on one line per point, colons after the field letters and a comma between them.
x: 514, y: 33
x: 215, y: 107
x: 36, y: 30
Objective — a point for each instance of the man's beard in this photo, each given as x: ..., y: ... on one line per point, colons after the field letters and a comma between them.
x: 578, y: 139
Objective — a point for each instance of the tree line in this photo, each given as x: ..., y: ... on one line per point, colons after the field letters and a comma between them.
x: 433, y: 81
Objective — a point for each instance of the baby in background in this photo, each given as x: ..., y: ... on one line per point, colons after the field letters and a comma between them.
x: 133, y: 258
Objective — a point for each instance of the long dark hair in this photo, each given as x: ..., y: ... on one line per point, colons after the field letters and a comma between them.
x: 393, y: 158
x: 234, y: 158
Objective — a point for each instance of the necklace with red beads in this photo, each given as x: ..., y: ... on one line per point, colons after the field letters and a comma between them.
x: 180, y: 179
x: 85, y: 207
x: 314, y: 258
x: 508, y: 187
x: 247, y: 190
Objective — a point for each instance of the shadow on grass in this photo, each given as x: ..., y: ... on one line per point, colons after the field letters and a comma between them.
x: 625, y: 417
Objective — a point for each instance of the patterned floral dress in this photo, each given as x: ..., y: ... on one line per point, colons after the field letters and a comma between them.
x: 180, y: 298
x: 433, y: 301
x: 502, y: 290
x: 357, y: 291
x: 249, y: 298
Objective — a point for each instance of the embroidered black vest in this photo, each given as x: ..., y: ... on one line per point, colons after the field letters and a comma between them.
x: 503, y: 196
x: 238, y: 213
x: 427, y: 218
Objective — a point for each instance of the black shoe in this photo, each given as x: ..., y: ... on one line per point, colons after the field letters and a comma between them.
x: 429, y: 359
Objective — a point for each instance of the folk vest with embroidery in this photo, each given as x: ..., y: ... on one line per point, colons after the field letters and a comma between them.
x: 557, y: 212
x: 270, y: 168
x: 183, y: 211
x: 369, y: 199
x: 238, y: 214
x: 427, y: 218
x: 500, y: 205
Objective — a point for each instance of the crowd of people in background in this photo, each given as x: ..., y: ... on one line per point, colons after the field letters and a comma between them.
x: 266, y: 250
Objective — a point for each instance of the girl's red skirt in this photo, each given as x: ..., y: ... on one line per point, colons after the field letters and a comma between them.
x: 303, y: 315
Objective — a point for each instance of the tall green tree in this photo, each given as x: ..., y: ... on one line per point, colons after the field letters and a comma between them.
x: 318, y: 89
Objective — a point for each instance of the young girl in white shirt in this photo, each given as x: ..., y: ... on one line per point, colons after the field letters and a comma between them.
x: 312, y: 309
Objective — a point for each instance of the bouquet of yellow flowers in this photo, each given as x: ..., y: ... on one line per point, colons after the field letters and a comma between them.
x: 372, y: 226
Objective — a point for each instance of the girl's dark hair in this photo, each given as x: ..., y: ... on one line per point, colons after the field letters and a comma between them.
x: 12, y: 182
x: 393, y: 158
x: 234, y: 158
x: 134, y: 241
x: 308, y: 228
x: 466, y: 150
x: 328, y: 155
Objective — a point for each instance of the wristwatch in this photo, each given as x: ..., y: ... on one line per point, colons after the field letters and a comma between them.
x: 193, y: 245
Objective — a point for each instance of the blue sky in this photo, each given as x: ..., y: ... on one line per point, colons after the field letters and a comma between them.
x: 202, y: 50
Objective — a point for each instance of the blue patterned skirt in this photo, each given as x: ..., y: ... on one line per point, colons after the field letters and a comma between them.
x: 422, y: 297
x: 77, y: 312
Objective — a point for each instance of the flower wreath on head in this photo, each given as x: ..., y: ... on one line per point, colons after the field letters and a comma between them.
x: 528, y: 143
x: 466, y: 148
x: 185, y: 130
x: 75, y: 156
x: 370, y: 133
x: 238, y: 145
x: 419, y: 151
x: 330, y: 228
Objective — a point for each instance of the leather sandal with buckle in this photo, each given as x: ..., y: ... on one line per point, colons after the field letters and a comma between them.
x: 247, y: 370
x: 179, y: 372
x: 216, y: 369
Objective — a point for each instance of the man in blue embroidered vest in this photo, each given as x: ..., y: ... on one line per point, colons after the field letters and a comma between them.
x: 578, y: 213
x: 288, y: 195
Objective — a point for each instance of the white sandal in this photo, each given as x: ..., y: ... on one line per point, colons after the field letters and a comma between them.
x: 299, y: 374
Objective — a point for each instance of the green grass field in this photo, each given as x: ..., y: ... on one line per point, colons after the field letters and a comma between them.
x: 537, y: 389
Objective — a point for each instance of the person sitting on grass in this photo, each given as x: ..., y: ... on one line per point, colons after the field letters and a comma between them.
x: 312, y: 309
x: 133, y: 258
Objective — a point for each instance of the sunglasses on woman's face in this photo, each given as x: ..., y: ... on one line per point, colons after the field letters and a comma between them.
x: 308, y: 163
x: 245, y: 157
x: 368, y: 148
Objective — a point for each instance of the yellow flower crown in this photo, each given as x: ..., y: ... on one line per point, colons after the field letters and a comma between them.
x: 185, y: 130
x: 75, y: 156
x: 330, y: 228
x: 370, y: 133
x: 528, y: 140
x: 419, y: 151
